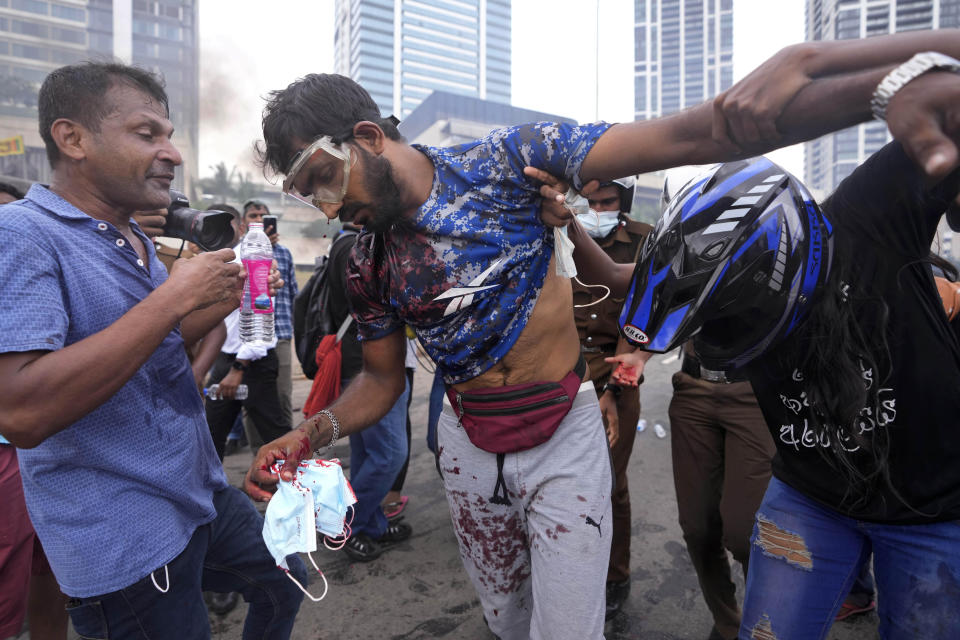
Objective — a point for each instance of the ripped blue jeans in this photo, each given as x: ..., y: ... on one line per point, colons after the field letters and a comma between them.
x: 804, y: 557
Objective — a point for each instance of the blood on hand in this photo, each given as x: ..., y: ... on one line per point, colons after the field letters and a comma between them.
x: 626, y: 375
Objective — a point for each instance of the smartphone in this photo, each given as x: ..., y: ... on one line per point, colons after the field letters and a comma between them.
x: 269, y: 225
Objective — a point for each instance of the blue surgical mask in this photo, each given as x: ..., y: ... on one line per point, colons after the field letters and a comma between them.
x: 332, y: 494
x: 315, y: 500
x: 599, y: 224
x: 289, y: 525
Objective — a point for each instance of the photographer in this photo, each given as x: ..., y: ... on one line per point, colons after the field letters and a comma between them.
x: 120, y: 477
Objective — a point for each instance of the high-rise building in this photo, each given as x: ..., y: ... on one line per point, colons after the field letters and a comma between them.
x: 832, y: 158
x: 37, y: 36
x: 683, y: 53
x: 403, y: 50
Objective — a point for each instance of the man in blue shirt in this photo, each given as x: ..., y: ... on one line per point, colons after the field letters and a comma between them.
x: 120, y: 476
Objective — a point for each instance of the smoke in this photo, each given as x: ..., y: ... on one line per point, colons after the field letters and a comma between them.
x: 248, y: 49
x: 229, y: 116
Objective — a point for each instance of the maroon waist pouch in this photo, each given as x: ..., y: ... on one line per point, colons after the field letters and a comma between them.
x: 518, y: 417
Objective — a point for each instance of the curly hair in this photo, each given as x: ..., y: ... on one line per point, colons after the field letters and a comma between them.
x: 315, y: 105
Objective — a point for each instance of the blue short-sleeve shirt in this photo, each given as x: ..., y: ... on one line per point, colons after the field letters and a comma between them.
x: 467, y: 271
x: 120, y: 492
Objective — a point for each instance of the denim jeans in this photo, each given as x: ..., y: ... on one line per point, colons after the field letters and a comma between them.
x: 804, y: 558
x: 376, y: 456
x: 236, y: 433
x: 437, y: 391
x: 227, y: 554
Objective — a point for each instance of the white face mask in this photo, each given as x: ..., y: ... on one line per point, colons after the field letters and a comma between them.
x: 316, y: 499
x: 599, y: 224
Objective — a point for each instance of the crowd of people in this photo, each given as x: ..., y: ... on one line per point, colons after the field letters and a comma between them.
x: 812, y: 417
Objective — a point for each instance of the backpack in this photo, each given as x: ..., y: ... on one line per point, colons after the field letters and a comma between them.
x: 312, y: 317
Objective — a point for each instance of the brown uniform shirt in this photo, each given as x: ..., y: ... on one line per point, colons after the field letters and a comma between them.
x: 168, y: 255
x: 597, y: 324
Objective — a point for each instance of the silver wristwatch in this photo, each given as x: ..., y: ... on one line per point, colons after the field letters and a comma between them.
x: 912, y: 68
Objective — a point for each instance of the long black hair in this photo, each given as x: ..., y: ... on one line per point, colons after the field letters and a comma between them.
x: 843, y: 357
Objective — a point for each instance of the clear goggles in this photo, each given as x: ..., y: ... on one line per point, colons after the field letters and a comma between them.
x: 328, y: 176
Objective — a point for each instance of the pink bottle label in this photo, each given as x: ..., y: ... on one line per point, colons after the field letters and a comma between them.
x: 258, y: 272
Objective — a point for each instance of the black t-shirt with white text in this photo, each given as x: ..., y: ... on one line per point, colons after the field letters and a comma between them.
x: 886, y: 219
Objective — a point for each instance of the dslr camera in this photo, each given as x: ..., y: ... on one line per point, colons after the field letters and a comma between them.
x: 210, y: 229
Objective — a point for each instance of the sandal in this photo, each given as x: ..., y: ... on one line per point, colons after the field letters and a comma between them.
x: 394, y: 509
x: 847, y: 610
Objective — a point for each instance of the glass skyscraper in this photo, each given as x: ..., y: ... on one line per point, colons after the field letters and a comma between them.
x: 830, y: 159
x: 403, y: 50
x: 37, y: 36
x: 683, y: 54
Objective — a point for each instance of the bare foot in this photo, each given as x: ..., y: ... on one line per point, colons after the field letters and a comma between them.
x: 392, y: 496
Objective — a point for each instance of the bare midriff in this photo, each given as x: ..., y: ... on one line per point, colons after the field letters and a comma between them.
x: 548, y: 347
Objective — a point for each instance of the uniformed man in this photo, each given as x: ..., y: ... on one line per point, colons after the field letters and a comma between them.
x: 610, y: 225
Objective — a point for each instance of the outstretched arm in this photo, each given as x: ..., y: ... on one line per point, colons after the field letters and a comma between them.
x: 780, y: 91
x: 748, y: 111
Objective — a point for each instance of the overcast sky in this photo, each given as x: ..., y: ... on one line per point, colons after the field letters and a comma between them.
x: 247, y: 51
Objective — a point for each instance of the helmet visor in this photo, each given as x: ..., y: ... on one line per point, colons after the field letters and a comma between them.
x: 319, y: 173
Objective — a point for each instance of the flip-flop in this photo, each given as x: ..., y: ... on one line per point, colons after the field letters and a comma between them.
x: 394, y: 509
x: 847, y: 610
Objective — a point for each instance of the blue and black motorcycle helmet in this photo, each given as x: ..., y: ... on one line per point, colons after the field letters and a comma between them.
x: 734, y: 262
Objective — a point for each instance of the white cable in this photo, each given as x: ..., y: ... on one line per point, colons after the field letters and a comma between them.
x: 429, y: 366
x: 590, y: 304
x: 346, y: 533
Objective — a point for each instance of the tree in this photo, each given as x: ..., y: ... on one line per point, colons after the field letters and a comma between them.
x: 229, y: 185
x: 220, y: 185
x: 246, y: 187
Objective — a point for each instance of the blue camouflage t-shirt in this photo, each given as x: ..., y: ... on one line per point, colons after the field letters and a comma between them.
x: 466, y: 272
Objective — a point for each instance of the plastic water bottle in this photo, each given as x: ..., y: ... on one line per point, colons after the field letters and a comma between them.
x: 256, y: 310
x: 659, y: 430
x: 641, y: 425
x: 213, y: 392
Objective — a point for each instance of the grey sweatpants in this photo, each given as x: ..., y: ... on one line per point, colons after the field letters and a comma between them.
x: 539, y: 565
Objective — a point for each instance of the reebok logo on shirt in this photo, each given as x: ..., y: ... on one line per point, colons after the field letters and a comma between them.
x: 463, y: 296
